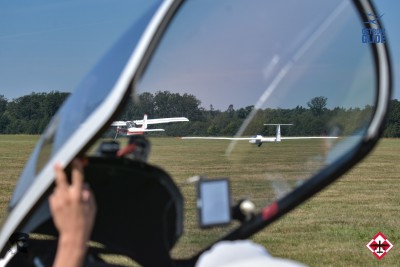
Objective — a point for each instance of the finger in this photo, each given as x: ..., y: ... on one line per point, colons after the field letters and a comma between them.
x: 61, y: 177
x: 86, y: 195
x: 77, y: 175
x: 90, y: 200
x: 52, y: 200
x: 54, y: 203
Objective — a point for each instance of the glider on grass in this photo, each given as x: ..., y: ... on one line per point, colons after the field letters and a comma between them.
x: 259, y: 139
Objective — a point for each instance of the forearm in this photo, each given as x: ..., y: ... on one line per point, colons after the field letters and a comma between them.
x: 73, y: 208
x: 70, y: 252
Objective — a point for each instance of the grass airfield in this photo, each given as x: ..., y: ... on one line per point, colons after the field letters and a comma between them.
x: 331, y: 229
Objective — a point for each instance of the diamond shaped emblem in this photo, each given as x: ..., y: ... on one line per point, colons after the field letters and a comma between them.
x: 379, y: 245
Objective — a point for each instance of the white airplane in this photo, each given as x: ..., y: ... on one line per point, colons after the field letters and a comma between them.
x: 130, y: 127
x: 259, y: 139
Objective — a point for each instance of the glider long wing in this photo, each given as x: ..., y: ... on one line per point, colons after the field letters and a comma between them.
x: 308, y: 137
x: 219, y: 138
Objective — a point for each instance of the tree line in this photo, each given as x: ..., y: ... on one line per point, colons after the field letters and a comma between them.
x: 30, y: 114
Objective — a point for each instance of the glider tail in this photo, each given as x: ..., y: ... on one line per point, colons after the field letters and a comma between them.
x: 278, y: 130
x: 144, y: 126
x: 278, y: 133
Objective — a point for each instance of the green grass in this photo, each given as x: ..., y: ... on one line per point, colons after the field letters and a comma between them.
x: 14, y: 152
x: 331, y: 229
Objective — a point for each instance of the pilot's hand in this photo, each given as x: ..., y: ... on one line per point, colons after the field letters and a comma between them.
x: 73, y: 208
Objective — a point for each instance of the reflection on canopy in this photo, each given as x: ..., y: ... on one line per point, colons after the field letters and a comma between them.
x: 304, y: 66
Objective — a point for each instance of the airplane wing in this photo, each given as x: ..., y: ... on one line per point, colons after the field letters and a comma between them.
x: 308, y: 137
x: 118, y: 123
x: 150, y: 121
x: 163, y: 120
x: 140, y: 130
x: 260, y: 138
x: 220, y: 138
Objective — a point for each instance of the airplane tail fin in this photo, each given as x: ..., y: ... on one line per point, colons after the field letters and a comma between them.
x: 278, y: 133
x: 144, y: 125
x: 278, y: 130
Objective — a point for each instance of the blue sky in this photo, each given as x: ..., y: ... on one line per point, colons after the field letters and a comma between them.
x: 390, y: 9
x: 50, y: 45
x: 234, y: 61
